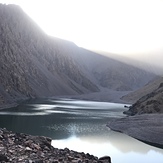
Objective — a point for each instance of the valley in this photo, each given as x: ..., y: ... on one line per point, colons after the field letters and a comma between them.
x: 75, y: 94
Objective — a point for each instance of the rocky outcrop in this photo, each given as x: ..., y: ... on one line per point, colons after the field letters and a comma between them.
x: 23, y: 148
x: 150, y: 103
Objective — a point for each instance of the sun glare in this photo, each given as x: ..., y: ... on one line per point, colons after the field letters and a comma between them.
x: 128, y: 26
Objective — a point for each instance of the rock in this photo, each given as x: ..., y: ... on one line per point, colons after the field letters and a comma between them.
x: 28, y: 149
x: 3, y: 158
x: 105, y: 159
x: 126, y: 106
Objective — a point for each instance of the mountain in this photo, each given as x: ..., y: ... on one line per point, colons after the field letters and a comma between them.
x: 151, y: 102
x: 33, y: 64
x: 106, y: 72
x: 142, y: 91
x: 143, y: 61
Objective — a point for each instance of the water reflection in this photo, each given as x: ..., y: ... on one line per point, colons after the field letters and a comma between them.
x: 124, y: 149
x: 81, y: 126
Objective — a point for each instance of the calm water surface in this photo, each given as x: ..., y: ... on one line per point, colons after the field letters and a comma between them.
x: 80, y: 126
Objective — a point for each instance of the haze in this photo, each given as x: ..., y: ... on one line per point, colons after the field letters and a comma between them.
x: 130, y: 27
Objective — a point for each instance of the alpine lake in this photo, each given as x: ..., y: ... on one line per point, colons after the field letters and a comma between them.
x: 81, y: 126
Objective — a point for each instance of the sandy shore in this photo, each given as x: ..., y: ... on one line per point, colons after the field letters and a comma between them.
x: 147, y: 128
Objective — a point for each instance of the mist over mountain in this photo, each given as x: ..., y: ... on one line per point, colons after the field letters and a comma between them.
x: 33, y: 64
x: 150, y: 62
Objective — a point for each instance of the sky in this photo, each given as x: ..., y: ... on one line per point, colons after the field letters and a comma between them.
x: 127, y: 27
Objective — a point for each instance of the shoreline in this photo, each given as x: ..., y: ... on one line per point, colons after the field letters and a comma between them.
x: 146, y: 128
x: 24, y: 148
x: 97, y: 97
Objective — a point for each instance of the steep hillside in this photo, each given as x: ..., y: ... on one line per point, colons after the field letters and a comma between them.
x: 150, y: 103
x: 30, y: 64
x: 148, y: 88
x: 33, y: 64
x: 104, y: 71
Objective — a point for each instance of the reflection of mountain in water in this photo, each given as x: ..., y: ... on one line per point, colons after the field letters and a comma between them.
x: 119, y: 146
x: 121, y: 142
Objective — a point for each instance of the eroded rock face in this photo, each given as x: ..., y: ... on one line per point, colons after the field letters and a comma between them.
x: 150, y: 103
x: 23, y: 148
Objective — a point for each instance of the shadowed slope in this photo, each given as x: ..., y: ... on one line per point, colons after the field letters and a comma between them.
x: 33, y: 64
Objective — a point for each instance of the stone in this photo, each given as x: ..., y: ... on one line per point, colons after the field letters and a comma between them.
x: 105, y: 158
x: 3, y: 158
x: 28, y: 149
x: 70, y: 158
x: 36, y: 146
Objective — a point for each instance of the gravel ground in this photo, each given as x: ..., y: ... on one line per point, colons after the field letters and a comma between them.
x: 146, y: 127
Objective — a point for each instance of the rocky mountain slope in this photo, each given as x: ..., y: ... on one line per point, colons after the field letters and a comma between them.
x: 146, y: 89
x: 104, y: 71
x: 33, y: 64
x: 150, y: 103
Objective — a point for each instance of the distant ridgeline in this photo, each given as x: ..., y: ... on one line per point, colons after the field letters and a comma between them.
x: 33, y: 64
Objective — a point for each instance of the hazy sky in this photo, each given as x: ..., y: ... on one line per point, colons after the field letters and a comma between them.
x: 118, y: 26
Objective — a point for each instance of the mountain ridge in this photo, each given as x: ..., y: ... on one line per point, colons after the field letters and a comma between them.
x: 34, y: 64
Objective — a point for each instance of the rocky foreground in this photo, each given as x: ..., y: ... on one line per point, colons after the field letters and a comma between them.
x: 146, y: 127
x: 23, y: 148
